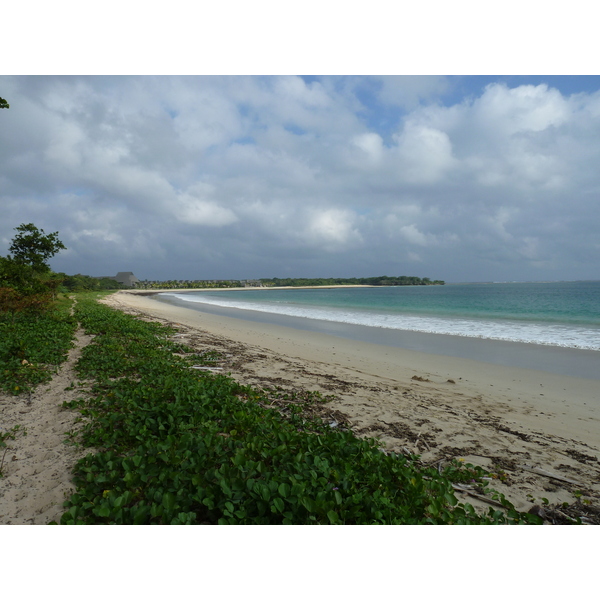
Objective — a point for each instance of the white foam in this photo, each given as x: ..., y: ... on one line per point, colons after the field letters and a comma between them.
x: 565, y: 336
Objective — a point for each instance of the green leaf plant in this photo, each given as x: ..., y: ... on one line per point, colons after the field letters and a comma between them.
x: 175, y: 445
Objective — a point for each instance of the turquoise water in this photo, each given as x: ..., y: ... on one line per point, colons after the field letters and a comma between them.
x: 565, y: 314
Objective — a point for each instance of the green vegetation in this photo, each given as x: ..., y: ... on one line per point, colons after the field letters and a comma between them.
x: 381, y: 280
x: 4, y: 103
x: 33, y: 344
x: 288, y: 282
x: 85, y: 283
x: 26, y: 281
x: 36, y: 330
x: 180, y: 284
x: 33, y: 248
x: 175, y: 445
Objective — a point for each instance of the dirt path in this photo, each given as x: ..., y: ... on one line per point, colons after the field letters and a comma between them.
x: 37, y: 466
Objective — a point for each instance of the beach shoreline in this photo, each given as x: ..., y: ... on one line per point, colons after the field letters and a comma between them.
x: 506, y: 419
x: 561, y: 360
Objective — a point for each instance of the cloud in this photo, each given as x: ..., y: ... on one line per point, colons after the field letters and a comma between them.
x: 371, y: 145
x: 333, y: 228
x: 526, y: 108
x: 423, y: 154
x: 233, y: 176
x: 413, y: 235
x: 196, y: 207
x: 408, y: 91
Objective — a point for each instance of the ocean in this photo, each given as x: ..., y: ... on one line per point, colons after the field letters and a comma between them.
x: 564, y: 314
x: 553, y: 327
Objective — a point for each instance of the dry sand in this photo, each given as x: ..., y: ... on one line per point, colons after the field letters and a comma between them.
x: 508, y: 420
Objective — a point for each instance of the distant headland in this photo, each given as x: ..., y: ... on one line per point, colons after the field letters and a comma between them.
x: 382, y: 280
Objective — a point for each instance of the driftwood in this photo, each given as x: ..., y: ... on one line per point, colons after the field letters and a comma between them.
x: 458, y: 488
x: 539, y: 471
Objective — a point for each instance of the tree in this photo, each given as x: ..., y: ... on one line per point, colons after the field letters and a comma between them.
x: 33, y: 248
x: 26, y: 281
x: 4, y: 103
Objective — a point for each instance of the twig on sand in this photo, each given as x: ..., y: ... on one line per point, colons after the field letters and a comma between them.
x: 539, y: 471
x: 2, y: 461
x: 421, y: 440
x: 417, y: 443
x: 458, y: 488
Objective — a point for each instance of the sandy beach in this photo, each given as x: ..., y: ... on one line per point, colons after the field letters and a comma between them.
x: 539, y: 431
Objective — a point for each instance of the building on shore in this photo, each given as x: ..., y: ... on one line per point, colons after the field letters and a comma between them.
x: 124, y: 277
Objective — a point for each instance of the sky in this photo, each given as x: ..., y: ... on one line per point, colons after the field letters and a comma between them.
x: 461, y: 178
x: 244, y: 168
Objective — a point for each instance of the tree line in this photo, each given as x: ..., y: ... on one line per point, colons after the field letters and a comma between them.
x: 26, y: 281
x: 382, y: 280
x: 378, y: 281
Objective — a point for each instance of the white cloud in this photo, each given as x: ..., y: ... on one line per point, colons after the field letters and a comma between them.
x: 526, y: 108
x: 423, y: 154
x: 65, y: 148
x: 413, y: 235
x: 371, y: 145
x: 196, y: 208
x: 295, y: 90
x: 274, y: 167
x: 333, y: 229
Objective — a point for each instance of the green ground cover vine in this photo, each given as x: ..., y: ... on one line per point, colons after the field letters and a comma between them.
x: 33, y: 344
x: 175, y: 445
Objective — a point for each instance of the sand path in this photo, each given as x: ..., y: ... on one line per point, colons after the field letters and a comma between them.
x: 37, y: 466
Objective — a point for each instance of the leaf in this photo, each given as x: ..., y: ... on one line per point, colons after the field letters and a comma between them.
x: 103, y: 511
x: 307, y: 503
x: 168, y: 501
x: 265, y: 492
x: 279, y: 504
x: 140, y: 515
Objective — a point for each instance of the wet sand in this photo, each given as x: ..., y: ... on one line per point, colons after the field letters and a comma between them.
x: 562, y: 361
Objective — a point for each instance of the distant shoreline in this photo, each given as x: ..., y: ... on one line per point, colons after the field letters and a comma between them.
x: 234, y: 289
